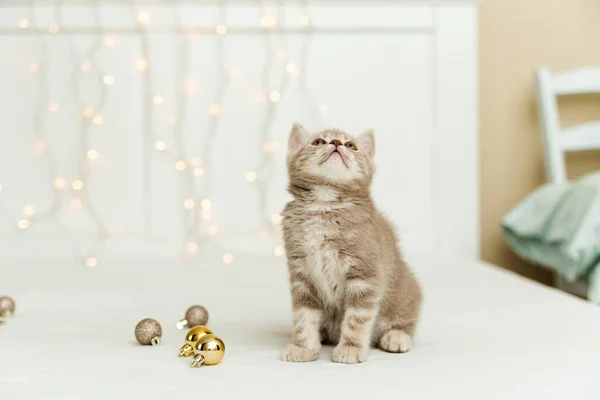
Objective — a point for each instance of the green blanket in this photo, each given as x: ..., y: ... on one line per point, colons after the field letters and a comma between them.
x: 558, y: 226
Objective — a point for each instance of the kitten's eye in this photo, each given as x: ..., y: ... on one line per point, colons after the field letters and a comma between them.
x: 318, y: 142
x: 351, y: 146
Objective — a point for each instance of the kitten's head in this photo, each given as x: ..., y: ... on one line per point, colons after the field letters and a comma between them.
x: 331, y: 157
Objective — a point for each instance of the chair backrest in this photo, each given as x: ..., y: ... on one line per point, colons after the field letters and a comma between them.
x: 557, y: 140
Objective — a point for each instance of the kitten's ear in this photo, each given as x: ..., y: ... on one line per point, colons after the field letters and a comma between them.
x: 366, y: 142
x: 298, y: 137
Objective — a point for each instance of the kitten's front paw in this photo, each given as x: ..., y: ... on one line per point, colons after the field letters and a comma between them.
x: 396, y: 341
x: 295, y: 353
x: 349, y: 354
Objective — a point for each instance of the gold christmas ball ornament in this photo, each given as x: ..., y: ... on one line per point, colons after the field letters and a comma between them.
x: 148, y: 332
x: 7, y: 306
x: 194, y: 316
x: 194, y: 334
x: 209, y: 350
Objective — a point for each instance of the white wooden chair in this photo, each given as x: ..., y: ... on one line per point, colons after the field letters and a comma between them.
x: 558, y: 140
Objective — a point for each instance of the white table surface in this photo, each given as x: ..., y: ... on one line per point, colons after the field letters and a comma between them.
x: 485, y: 334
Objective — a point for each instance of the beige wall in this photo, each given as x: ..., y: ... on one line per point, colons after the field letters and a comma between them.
x: 515, y: 37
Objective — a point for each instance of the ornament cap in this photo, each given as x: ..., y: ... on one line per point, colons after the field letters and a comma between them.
x: 186, y: 350
x: 155, y: 341
x: 198, y: 361
x: 181, y: 324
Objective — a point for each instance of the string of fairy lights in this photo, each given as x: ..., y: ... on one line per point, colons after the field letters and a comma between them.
x: 276, y: 57
x: 193, y: 166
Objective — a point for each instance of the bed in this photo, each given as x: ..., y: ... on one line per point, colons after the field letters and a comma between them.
x: 485, y: 333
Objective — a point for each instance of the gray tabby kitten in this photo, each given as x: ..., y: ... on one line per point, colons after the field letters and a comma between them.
x: 349, y: 283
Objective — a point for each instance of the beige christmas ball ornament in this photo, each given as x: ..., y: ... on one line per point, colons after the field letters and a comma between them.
x: 7, y: 307
x: 194, y: 316
x: 148, y: 332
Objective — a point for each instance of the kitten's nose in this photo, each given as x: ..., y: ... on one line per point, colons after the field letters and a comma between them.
x: 336, y: 142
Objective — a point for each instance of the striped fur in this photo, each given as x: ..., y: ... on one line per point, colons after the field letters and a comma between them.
x: 349, y: 283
